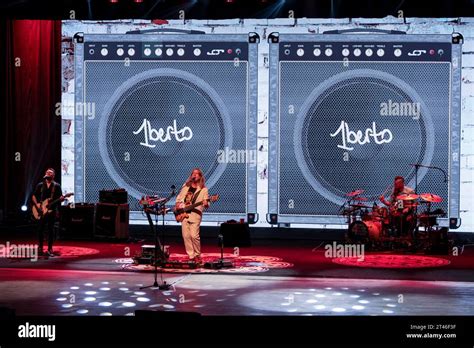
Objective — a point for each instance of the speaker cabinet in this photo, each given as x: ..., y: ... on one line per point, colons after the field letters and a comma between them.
x: 112, y: 221
x: 77, y: 221
x: 352, y: 112
x: 163, y: 105
x: 235, y: 234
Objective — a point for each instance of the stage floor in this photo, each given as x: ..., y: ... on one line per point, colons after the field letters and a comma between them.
x: 74, y: 292
x: 272, y: 277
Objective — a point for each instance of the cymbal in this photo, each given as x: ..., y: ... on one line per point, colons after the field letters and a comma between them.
x: 360, y: 199
x: 408, y: 197
x: 359, y: 206
x: 429, y: 197
x: 354, y: 193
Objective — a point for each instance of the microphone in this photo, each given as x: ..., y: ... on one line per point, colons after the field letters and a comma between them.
x: 173, y: 188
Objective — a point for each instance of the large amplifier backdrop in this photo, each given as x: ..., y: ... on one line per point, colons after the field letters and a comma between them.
x: 352, y: 112
x: 165, y: 104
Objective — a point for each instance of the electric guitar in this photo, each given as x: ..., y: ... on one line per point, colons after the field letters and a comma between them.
x: 39, y: 213
x: 182, y: 213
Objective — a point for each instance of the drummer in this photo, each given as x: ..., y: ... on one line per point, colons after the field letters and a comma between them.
x: 401, y: 211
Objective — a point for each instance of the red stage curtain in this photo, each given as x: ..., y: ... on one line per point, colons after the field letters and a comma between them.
x: 31, y: 74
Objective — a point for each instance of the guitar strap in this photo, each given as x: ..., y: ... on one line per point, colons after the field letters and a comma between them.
x: 52, y: 191
x: 196, y: 194
x: 54, y: 188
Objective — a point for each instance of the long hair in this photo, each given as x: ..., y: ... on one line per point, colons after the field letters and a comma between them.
x: 201, y: 182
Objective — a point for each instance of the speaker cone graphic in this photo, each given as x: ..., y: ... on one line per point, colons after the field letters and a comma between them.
x: 361, y: 116
x: 160, y: 124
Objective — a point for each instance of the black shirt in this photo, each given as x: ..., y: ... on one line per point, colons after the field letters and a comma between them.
x: 189, y: 195
x: 41, y: 193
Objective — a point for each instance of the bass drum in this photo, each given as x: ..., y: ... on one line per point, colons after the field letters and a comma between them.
x: 363, y: 231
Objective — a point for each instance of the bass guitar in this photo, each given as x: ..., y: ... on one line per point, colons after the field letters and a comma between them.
x: 182, y: 213
x: 39, y: 213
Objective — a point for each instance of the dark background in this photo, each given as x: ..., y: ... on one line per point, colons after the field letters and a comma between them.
x: 30, y: 127
x: 220, y: 9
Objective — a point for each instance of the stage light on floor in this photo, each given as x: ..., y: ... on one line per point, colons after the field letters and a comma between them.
x: 105, y: 304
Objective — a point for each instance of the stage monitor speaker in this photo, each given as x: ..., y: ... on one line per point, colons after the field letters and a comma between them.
x: 112, y: 221
x: 161, y: 105
x: 351, y: 112
x: 77, y: 221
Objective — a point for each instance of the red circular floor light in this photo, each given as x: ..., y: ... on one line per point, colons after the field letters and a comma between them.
x: 393, y: 261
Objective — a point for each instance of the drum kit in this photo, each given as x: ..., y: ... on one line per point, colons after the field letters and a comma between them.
x: 389, y: 227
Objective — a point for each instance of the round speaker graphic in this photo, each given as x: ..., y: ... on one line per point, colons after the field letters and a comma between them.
x: 160, y: 124
x: 360, y: 129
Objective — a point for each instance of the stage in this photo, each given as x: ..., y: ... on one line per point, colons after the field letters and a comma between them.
x: 272, y: 277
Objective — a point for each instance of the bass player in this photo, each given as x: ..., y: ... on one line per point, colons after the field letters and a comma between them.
x: 194, y: 190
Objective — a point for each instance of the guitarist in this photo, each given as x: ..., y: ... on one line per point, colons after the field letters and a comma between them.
x: 194, y: 190
x: 48, y: 188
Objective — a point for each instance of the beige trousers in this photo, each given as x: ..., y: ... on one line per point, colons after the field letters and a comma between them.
x: 192, y: 240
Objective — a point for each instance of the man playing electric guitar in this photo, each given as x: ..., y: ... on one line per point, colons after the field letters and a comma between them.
x: 47, y: 189
x: 194, y: 190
